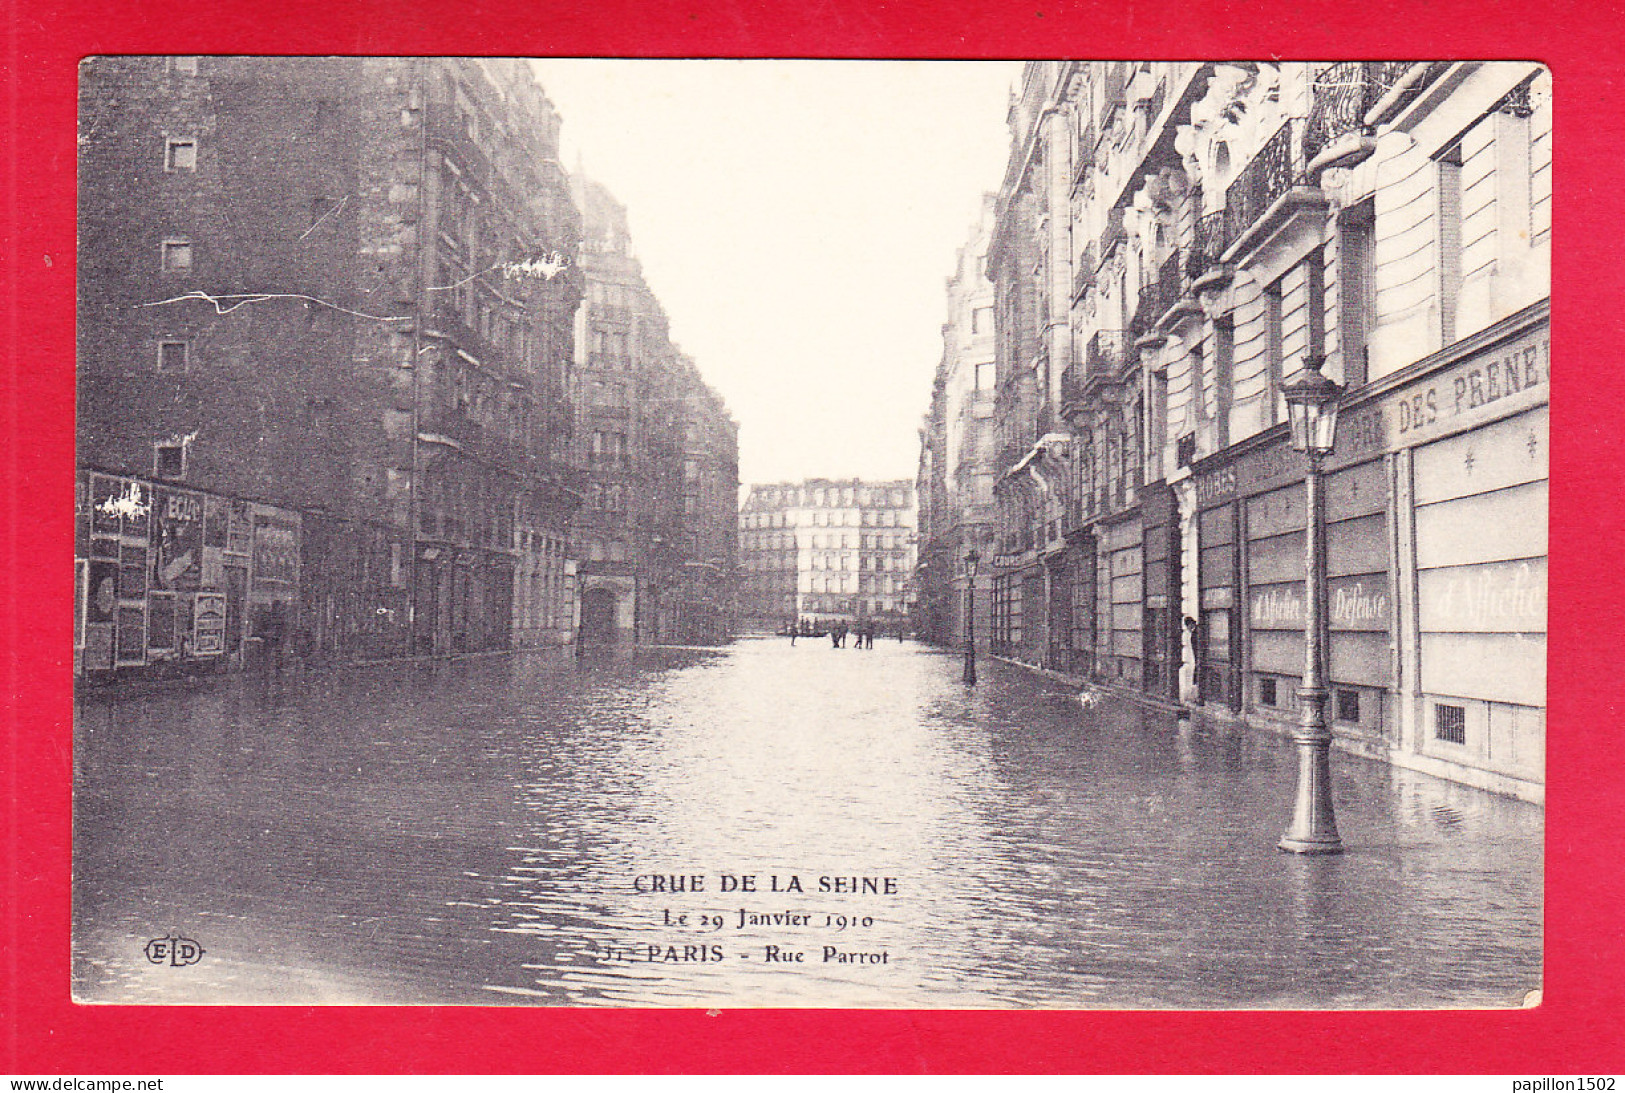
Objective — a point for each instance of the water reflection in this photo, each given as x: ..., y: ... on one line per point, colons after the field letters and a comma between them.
x: 473, y: 833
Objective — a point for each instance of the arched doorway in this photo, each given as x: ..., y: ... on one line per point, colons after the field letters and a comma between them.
x: 598, y: 610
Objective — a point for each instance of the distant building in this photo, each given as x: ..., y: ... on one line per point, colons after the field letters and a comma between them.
x: 654, y: 539
x: 958, y: 452
x: 827, y: 549
x: 324, y: 320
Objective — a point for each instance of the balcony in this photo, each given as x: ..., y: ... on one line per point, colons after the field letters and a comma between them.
x: 1113, y: 233
x: 1106, y: 352
x: 455, y: 429
x: 447, y: 129
x: 1112, y: 86
x: 1343, y: 94
x: 1202, y: 260
x: 1269, y: 191
x: 1072, y: 388
x: 1084, y: 158
x: 1083, y: 278
x: 1157, y: 297
x: 1009, y: 456
x: 1398, y: 83
x: 1273, y: 171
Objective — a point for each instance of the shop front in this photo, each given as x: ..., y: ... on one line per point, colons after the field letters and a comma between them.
x: 1161, y: 620
x: 1120, y: 601
x: 1472, y: 468
x: 1248, y: 636
x: 1436, y: 538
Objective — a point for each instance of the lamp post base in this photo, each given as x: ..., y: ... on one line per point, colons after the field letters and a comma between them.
x: 1314, y: 825
x: 1295, y: 845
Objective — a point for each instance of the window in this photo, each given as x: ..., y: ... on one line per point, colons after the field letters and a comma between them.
x: 169, y: 460
x: 1356, y: 248
x: 173, y: 356
x: 180, y: 155
x: 1348, y: 705
x: 981, y: 321
x: 185, y: 66
x: 1266, y: 692
x: 985, y: 376
x: 1224, y: 369
x: 1314, y: 283
x: 1450, y: 723
x: 177, y: 256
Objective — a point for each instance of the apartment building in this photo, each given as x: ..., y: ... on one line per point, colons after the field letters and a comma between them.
x: 827, y: 549
x: 1175, y: 242
x: 654, y: 540
x: 324, y: 324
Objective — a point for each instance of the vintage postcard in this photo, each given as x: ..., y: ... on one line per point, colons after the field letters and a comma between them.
x: 811, y: 534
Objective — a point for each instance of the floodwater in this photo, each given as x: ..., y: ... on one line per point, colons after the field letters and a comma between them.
x: 489, y: 831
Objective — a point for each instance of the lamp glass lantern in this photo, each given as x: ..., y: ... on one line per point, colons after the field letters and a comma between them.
x: 1311, y: 406
x: 971, y: 561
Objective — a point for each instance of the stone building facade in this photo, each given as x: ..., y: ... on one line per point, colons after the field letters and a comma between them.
x: 338, y: 290
x: 1173, y: 241
x: 958, y: 452
x: 654, y: 540
x: 827, y: 549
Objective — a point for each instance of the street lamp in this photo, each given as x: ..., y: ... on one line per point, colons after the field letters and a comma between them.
x: 971, y: 561
x: 1311, y: 403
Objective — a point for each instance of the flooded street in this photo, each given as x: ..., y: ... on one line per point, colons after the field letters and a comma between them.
x: 490, y: 831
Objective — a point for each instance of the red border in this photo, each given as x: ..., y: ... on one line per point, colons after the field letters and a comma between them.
x: 1573, y: 1032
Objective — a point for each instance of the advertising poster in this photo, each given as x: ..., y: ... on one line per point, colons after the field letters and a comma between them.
x: 209, y: 624
x: 177, y: 553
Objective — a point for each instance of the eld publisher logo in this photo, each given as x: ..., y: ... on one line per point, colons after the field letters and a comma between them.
x: 177, y: 952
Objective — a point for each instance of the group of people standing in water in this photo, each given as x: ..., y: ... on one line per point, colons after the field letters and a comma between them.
x: 862, y: 631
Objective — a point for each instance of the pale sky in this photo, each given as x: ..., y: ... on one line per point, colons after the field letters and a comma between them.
x: 798, y: 221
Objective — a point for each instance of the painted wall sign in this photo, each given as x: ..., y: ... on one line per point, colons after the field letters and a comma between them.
x: 1509, y: 378
x: 1354, y: 603
x: 1504, y: 597
x: 1253, y: 472
x: 1503, y: 381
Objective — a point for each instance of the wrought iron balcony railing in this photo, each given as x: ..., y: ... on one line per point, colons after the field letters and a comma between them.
x: 1207, y: 246
x: 1113, y: 233
x: 1106, y: 352
x: 1341, y: 95
x: 1084, y: 157
x: 1084, y: 276
x: 1157, y: 296
x: 1171, y: 277
x: 1115, y: 80
x: 1009, y: 455
x: 1072, y: 386
x: 1276, y: 168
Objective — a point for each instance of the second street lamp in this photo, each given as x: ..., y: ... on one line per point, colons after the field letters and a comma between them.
x: 971, y: 560
x: 1311, y: 403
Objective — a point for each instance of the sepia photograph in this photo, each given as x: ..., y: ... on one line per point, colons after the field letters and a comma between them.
x: 811, y: 534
